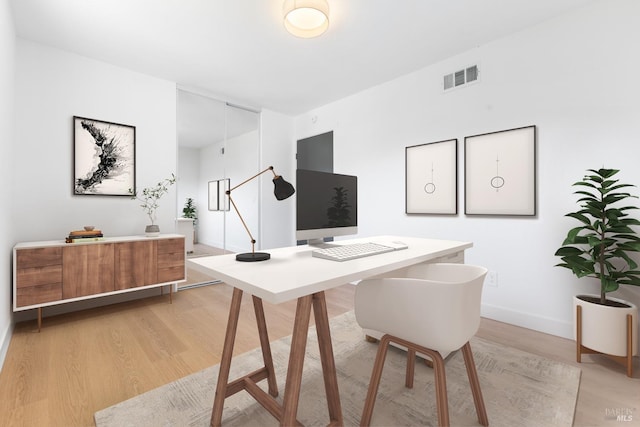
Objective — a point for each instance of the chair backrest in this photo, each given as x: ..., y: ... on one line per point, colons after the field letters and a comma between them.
x: 433, y: 305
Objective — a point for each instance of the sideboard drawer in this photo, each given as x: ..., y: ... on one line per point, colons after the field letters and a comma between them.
x: 40, y: 294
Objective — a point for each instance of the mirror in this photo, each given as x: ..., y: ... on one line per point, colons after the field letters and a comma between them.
x: 217, y: 142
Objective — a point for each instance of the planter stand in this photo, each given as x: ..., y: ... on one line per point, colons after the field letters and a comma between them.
x: 626, y: 361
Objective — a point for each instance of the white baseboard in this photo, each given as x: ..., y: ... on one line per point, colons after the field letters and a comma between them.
x: 4, y: 344
x: 527, y: 320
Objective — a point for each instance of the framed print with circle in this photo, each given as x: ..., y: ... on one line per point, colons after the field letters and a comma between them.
x: 500, y: 173
x: 431, y: 178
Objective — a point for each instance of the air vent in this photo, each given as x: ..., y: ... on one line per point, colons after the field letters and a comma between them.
x: 461, y: 77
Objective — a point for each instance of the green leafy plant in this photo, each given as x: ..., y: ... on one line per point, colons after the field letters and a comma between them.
x: 151, y: 196
x: 600, y: 247
x: 189, y: 210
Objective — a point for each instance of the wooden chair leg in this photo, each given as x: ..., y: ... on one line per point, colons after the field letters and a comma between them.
x: 442, y: 401
x: 472, y: 373
x: 376, y: 374
x: 411, y: 368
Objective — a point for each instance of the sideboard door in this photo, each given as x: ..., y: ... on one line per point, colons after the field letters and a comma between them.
x: 136, y: 264
x: 87, y: 270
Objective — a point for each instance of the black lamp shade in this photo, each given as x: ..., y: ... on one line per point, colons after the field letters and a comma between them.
x: 282, y: 189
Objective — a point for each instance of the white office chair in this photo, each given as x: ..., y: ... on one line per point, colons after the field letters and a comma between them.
x: 434, y: 309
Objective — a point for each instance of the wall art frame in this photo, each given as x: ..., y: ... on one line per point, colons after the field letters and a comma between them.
x: 104, y: 158
x: 500, y: 173
x: 431, y: 178
x: 218, y: 200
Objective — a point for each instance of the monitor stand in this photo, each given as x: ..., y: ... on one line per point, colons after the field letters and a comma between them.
x: 320, y: 243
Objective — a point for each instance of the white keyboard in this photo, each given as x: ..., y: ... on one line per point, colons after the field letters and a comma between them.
x: 351, y: 251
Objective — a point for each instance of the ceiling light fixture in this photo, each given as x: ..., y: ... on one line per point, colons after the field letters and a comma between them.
x: 306, y: 18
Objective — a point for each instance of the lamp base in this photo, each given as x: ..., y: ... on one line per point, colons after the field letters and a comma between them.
x: 253, y: 256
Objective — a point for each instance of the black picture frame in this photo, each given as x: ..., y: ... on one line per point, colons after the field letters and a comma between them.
x: 500, y: 173
x: 431, y: 178
x: 218, y: 200
x: 104, y: 158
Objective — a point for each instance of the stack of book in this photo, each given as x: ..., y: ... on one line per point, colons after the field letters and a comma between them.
x: 80, y: 236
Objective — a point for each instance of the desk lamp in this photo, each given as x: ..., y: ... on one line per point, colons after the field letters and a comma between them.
x: 282, y: 190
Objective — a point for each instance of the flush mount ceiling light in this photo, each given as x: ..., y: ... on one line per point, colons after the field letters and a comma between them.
x: 306, y: 18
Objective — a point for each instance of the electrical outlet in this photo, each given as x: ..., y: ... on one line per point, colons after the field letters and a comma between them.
x: 492, y: 279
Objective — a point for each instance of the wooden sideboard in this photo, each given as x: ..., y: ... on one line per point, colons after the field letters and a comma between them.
x: 54, y: 272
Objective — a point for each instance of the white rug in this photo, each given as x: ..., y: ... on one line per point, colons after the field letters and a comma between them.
x: 520, y: 389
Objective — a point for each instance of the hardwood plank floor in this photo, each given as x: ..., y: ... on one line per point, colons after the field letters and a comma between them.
x: 85, y: 361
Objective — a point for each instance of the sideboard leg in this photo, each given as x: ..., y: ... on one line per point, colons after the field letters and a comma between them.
x: 39, y: 318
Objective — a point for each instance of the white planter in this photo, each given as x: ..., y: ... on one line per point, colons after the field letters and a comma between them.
x: 604, y: 328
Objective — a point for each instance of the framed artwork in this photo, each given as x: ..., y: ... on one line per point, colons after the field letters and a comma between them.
x: 104, y: 158
x: 218, y: 200
x: 431, y: 178
x: 500, y: 173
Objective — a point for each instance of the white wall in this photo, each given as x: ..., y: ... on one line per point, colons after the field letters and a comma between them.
x: 51, y: 87
x: 7, y: 64
x: 278, y: 150
x: 574, y: 77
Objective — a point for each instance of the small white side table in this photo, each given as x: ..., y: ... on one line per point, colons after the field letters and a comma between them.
x: 184, y: 226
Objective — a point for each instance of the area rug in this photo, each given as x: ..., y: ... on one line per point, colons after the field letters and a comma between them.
x: 519, y: 388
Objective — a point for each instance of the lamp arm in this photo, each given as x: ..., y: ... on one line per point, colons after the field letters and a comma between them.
x: 270, y: 168
x: 244, y: 224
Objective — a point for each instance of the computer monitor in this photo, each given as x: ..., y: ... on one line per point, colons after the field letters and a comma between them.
x: 326, y: 205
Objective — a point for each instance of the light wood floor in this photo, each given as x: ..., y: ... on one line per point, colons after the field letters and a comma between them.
x: 86, y: 361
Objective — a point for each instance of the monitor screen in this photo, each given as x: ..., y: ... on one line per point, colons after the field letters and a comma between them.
x: 326, y: 205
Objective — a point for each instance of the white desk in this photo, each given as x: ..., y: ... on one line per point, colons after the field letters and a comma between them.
x: 292, y: 273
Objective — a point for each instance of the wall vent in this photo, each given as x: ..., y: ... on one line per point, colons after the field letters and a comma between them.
x: 460, y: 77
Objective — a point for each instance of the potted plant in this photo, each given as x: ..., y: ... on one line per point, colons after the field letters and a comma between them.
x: 189, y: 211
x: 600, y: 248
x: 149, y: 202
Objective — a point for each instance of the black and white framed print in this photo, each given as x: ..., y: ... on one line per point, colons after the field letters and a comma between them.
x: 104, y: 158
x: 500, y: 173
x: 218, y: 200
x: 431, y: 178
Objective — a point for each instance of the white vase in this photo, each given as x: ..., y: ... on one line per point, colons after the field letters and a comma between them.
x: 604, y: 328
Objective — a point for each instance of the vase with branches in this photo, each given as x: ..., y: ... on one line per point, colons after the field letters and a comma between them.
x: 149, y: 200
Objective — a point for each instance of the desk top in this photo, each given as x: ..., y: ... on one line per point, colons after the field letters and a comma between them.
x: 293, y: 273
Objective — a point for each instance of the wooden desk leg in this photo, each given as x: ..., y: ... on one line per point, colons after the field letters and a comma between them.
x: 225, y: 362
x: 326, y: 358
x: 296, y: 361
x: 265, y: 345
